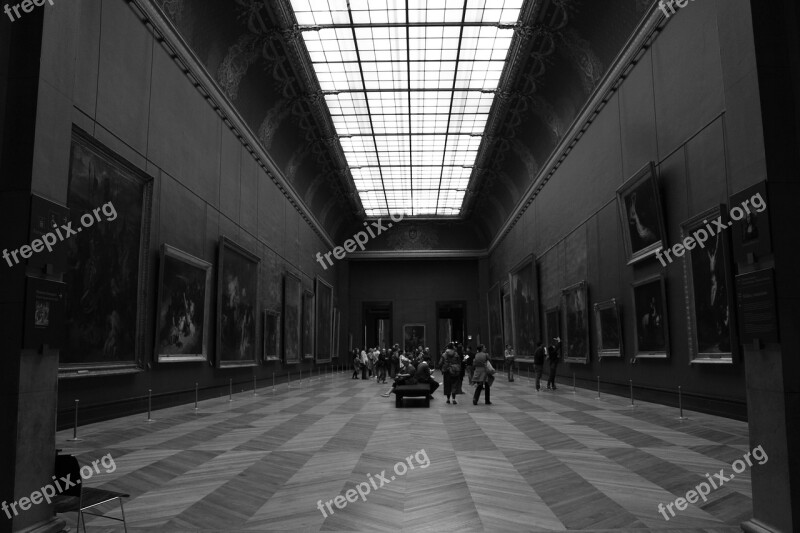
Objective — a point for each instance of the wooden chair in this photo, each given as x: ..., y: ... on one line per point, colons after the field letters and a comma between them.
x: 79, y: 498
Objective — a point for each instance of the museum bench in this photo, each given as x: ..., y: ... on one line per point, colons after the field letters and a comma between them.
x: 420, y: 389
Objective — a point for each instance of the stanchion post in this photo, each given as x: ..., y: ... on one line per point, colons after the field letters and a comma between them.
x: 598, y: 388
x: 289, y: 379
x: 573, y: 384
x: 75, y: 424
x: 230, y: 390
x: 273, y: 383
x: 631, y: 384
x: 149, y: 405
x: 195, y: 396
x: 680, y: 404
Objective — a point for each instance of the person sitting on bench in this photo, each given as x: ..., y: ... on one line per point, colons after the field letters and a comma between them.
x: 424, y: 374
x: 405, y: 375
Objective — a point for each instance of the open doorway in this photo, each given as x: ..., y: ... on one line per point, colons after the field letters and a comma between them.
x: 377, y: 325
x: 450, y: 325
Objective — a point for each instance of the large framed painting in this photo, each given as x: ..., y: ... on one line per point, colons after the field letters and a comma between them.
x: 292, y: 327
x: 323, y: 318
x: 507, y: 330
x: 413, y: 336
x: 552, y: 325
x: 272, y: 336
x: 184, y: 296
x: 307, y: 344
x: 609, y: 329
x: 523, y: 287
x: 495, y: 320
x: 709, y: 290
x: 650, y: 313
x: 107, y: 273
x: 237, y: 305
x: 640, y: 208
x: 575, y: 316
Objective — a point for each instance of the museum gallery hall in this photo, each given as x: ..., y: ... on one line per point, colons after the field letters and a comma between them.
x: 399, y: 266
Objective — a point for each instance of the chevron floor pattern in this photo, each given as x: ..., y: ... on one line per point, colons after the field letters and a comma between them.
x: 531, y: 462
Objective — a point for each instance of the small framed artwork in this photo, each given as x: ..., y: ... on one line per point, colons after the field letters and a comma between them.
x: 708, y: 272
x: 413, y: 336
x: 575, y: 315
x: 184, y: 296
x: 237, y: 307
x: 750, y: 229
x: 308, y: 325
x: 272, y: 336
x: 640, y: 209
x: 650, y: 313
x: 292, y: 325
x: 323, y: 320
x: 551, y: 324
x: 524, y: 307
x: 609, y: 329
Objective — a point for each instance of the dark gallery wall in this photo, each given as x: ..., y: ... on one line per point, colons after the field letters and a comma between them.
x: 690, y: 104
x: 413, y: 288
x: 104, y: 72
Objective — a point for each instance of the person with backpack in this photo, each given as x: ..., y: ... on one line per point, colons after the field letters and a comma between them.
x: 380, y: 366
x: 483, y: 375
x: 450, y: 365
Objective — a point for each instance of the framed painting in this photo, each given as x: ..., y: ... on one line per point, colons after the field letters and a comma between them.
x: 709, y: 290
x: 575, y: 316
x: 640, y: 209
x: 507, y: 330
x: 184, y: 299
x: 308, y: 325
x: 272, y: 336
x: 413, y: 336
x: 609, y: 329
x: 750, y: 232
x: 552, y: 326
x: 650, y: 312
x: 495, y: 320
x: 524, y: 291
x: 237, y: 305
x: 106, y: 274
x: 323, y: 318
x: 292, y: 327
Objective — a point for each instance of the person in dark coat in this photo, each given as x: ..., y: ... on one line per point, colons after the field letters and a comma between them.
x: 356, y: 363
x: 553, y: 355
x: 405, y: 375
x: 538, y: 363
x: 450, y: 366
x: 480, y: 376
x: 425, y: 375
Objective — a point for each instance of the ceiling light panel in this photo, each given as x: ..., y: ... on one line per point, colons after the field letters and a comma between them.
x: 409, y: 84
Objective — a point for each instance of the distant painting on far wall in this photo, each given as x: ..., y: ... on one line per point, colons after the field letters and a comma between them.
x: 308, y: 325
x: 708, y: 271
x: 650, y: 310
x: 639, y: 202
x: 574, y: 307
x: 413, y: 336
x: 609, y: 333
x: 292, y: 327
x: 524, y: 291
x: 237, y: 305
x: 184, y: 295
x: 106, y: 273
x: 495, y: 320
x: 324, y: 320
x: 272, y: 336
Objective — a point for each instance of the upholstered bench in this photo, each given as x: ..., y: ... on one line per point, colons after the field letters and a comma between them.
x: 420, y: 389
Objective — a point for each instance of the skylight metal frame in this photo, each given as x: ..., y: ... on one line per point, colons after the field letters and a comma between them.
x: 394, y: 143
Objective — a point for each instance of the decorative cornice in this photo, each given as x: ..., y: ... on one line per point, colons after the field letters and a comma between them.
x: 180, y: 52
x: 642, y: 39
x: 420, y: 254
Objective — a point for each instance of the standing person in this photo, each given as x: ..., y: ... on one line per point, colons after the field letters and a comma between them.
x: 466, y: 366
x: 450, y: 366
x: 510, y: 361
x: 395, y: 361
x: 364, y: 360
x: 538, y: 363
x: 424, y: 375
x: 381, y: 366
x: 356, y: 363
x: 553, y: 355
x: 480, y: 375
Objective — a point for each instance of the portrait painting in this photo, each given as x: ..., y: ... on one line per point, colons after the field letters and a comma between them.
x: 523, y: 287
x: 237, y: 305
x: 495, y: 320
x: 308, y: 325
x: 575, y: 315
x: 292, y: 327
x: 609, y: 331
x: 272, y: 336
x: 640, y: 209
x: 324, y: 319
x: 107, y: 267
x: 709, y: 278
x: 650, y: 312
x: 413, y: 336
x: 184, y: 295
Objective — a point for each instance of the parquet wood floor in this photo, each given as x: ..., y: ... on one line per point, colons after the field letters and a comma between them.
x: 548, y: 461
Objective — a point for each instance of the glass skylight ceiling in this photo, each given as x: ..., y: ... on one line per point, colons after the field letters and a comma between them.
x: 409, y: 84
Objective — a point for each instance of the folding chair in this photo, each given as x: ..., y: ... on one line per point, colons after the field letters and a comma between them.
x: 79, y: 498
